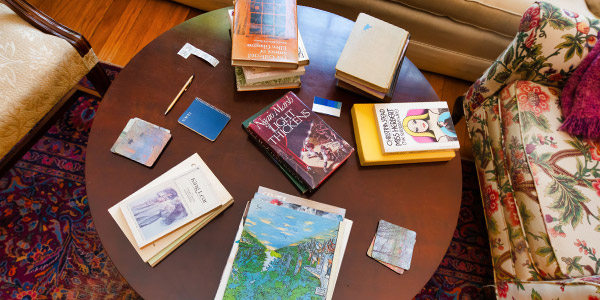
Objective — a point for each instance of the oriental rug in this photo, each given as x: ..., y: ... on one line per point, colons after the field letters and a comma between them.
x: 49, y: 248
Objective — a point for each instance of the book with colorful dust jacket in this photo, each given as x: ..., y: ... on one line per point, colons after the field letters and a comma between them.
x: 265, y: 34
x: 285, y: 251
x: 300, y: 140
x: 370, y: 152
x: 299, y: 184
x: 415, y: 126
x: 141, y: 141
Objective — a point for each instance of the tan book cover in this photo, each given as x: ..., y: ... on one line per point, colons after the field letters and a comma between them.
x: 255, y: 74
x: 265, y: 34
x: 157, y: 250
x: 372, y: 52
x: 282, y: 83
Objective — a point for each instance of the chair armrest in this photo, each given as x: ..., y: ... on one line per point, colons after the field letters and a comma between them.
x: 550, y: 44
x: 46, y: 24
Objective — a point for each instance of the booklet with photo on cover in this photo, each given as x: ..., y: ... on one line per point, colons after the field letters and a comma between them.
x: 168, y: 206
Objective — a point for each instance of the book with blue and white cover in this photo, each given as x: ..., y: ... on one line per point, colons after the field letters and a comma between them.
x: 204, y: 119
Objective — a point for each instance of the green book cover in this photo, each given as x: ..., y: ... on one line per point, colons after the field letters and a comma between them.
x: 299, y: 184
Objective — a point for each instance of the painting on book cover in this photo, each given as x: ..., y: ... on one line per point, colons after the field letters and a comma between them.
x: 394, y: 245
x: 429, y: 125
x: 283, y: 254
x: 302, y: 139
x: 155, y: 211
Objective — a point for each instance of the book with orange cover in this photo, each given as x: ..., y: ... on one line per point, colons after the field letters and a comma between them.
x: 265, y: 34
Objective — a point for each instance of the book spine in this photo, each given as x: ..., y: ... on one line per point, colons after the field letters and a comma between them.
x: 265, y: 146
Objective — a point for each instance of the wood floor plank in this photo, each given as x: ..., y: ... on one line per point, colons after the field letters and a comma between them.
x: 148, y: 29
x: 120, y: 45
x: 108, y: 25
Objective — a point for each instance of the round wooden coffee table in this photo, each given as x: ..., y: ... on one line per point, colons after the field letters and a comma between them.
x: 423, y: 197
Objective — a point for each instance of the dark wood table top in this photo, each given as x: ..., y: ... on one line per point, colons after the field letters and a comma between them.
x: 423, y: 197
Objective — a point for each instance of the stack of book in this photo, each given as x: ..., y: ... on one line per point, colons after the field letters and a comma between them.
x: 372, y: 58
x: 166, y: 212
x: 267, y: 49
x: 397, y: 133
x: 300, y: 143
x: 286, y: 247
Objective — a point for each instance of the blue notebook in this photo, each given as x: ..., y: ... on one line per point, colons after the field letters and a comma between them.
x: 204, y: 119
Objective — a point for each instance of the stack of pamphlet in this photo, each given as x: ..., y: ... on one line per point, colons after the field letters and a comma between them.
x: 267, y: 49
x: 372, y: 58
x: 166, y: 212
x: 397, y: 133
x: 286, y: 248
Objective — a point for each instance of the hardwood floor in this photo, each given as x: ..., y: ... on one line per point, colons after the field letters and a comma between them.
x: 118, y: 29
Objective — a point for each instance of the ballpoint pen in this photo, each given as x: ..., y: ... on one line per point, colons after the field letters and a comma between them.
x: 183, y: 89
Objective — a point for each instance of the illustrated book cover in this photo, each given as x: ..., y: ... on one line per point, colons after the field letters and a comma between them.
x: 285, y: 251
x: 299, y: 184
x: 204, y: 119
x: 372, y: 52
x: 300, y: 140
x: 394, y: 245
x: 141, y: 141
x: 156, y: 251
x: 303, y: 59
x: 415, y: 126
x: 168, y: 206
x: 265, y: 34
x: 370, y: 152
x: 281, y: 83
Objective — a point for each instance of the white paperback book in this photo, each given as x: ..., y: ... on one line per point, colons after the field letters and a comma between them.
x: 415, y: 126
x: 156, y: 210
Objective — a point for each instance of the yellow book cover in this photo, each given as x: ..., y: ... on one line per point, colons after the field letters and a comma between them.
x: 369, y: 148
x: 372, y: 52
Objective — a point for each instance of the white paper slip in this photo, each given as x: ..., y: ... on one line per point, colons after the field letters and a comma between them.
x: 188, y: 49
x: 328, y: 107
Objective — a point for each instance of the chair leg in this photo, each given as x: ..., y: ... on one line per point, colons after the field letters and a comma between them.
x: 99, y: 79
x: 457, y: 110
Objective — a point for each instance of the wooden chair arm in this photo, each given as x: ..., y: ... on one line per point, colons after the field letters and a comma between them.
x: 46, y: 24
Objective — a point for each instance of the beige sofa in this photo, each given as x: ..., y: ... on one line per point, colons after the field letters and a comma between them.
x: 459, y: 38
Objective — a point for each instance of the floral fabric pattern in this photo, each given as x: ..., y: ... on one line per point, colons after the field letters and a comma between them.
x: 540, y: 186
x: 36, y: 71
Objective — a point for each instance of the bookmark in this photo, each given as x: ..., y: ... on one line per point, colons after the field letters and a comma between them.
x: 188, y: 49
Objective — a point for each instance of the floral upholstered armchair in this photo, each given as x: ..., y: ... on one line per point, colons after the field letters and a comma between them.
x: 540, y: 186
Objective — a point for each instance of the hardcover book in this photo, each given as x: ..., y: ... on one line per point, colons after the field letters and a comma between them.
x: 372, y: 53
x: 369, y: 148
x: 156, y: 251
x: 300, y: 140
x: 281, y: 83
x: 284, y: 251
x: 415, y: 126
x: 141, y: 141
x: 265, y: 34
x: 255, y: 74
x: 204, y: 119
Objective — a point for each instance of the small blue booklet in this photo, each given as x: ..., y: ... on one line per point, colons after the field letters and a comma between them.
x: 204, y: 119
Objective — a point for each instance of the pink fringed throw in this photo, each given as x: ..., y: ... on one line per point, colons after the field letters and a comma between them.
x: 580, y: 100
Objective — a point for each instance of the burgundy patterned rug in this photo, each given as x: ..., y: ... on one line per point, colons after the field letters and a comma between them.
x: 49, y: 248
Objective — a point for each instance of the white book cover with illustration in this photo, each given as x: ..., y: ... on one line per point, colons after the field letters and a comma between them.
x: 415, y: 126
x: 168, y: 206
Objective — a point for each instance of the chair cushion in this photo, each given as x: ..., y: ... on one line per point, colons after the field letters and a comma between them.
x: 36, y: 71
x: 556, y: 179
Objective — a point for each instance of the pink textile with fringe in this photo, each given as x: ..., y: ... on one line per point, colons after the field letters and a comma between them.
x: 580, y: 100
